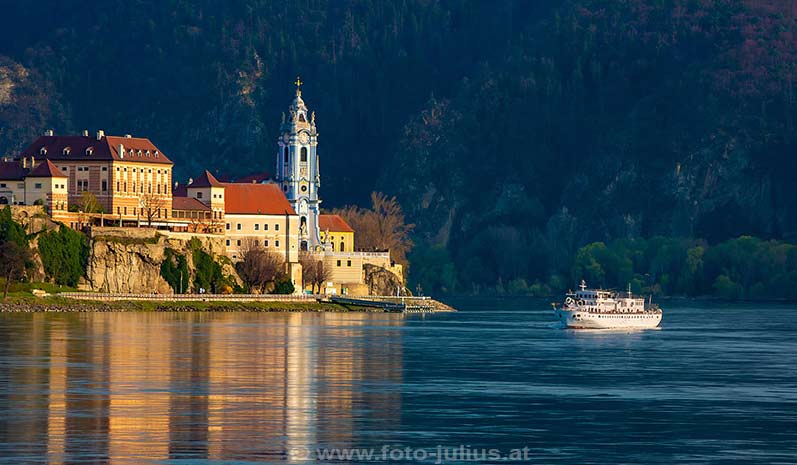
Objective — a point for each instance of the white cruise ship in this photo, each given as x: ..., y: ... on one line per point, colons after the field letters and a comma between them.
x: 603, y: 309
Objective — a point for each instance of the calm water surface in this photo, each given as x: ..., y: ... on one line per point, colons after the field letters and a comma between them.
x: 716, y: 384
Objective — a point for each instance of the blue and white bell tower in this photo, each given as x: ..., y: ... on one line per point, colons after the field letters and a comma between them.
x: 297, y: 168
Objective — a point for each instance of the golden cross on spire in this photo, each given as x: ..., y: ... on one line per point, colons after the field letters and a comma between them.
x: 298, y: 82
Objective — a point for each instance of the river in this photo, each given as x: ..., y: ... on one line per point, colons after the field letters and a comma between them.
x: 717, y: 383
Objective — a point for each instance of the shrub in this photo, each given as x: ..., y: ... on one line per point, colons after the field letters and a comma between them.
x: 174, y: 270
x: 64, y: 254
x: 284, y: 286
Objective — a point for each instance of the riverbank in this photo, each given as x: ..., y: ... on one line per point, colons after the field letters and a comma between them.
x: 58, y: 304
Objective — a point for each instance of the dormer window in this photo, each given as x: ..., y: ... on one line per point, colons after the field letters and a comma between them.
x: 301, y: 118
x: 130, y: 152
x: 43, y: 151
x: 156, y: 154
x: 138, y: 152
x: 89, y: 151
x: 148, y: 154
x: 66, y: 150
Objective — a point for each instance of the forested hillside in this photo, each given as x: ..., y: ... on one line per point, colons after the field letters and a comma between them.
x: 512, y: 132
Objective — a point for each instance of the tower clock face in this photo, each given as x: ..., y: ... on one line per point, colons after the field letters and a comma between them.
x: 303, y: 138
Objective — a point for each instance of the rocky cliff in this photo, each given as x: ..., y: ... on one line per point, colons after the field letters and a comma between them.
x: 381, y: 281
x: 129, y: 260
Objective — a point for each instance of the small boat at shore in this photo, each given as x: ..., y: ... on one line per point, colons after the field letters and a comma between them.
x: 605, y: 309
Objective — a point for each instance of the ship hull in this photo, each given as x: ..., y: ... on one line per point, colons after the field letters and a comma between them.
x: 581, y: 319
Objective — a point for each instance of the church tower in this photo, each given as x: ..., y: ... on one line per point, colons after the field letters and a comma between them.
x: 297, y: 168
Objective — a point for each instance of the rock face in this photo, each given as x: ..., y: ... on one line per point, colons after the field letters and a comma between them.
x: 381, y: 281
x: 115, y: 266
x: 129, y: 260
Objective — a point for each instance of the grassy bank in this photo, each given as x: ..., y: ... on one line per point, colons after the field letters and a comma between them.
x: 29, y: 304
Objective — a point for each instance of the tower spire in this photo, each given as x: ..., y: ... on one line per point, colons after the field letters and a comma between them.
x: 298, y: 83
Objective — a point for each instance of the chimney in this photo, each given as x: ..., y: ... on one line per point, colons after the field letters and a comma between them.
x: 48, y: 132
x: 128, y: 136
x: 100, y: 134
x: 32, y: 162
x: 25, y: 162
x: 121, y: 151
x: 85, y: 133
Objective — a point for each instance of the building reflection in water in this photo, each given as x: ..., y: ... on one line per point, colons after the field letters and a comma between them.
x: 123, y: 388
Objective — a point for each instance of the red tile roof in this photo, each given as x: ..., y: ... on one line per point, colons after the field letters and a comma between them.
x: 46, y: 169
x: 206, y: 179
x: 12, y: 170
x: 256, y: 177
x: 254, y: 199
x: 180, y: 191
x: 188, y: 203
x: 334, y: 223
x: 68, y: 148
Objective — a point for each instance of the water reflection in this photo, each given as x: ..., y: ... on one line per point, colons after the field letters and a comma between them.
x: 149, y: 387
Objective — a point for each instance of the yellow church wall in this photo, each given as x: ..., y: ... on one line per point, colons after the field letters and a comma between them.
x: 336, y: 238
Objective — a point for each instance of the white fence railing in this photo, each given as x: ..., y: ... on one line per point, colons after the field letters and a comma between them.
x: 101, y: 296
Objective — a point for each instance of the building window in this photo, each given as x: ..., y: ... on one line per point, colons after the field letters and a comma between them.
x: 199, y: 195
x: 38, y: 185
x: 125, y: 210
x: 333, y: 246
x: 2, y: 185
x: 265, y: 243
x: 342, y: 247
x: 117, y: 186
x: 228, y: 242
x: 238, y: 242
x: 265, y: 227
x: 276, y: 243
x: 105, y: 168
x: 304, y: 155
x: 257, y: 227
x: 257, y: 243
x: 338, y: 263
x: 276, y: 227
x: 228, y: 226
x: 105, y: 186
x: 238, y: 226
x: 348, y: 263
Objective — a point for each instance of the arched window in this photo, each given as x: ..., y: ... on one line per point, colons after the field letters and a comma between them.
x: 342, y: 247
x: 304, y: 155
x: 285, y: 153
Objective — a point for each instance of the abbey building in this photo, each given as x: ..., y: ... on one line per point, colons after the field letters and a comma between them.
x: 100, y: 180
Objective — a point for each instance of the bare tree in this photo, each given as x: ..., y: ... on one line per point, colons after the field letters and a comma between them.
x: 89, y: 204
x: 151, y: 205
x: 13, y: 261
x: 314, y: 271
x: 382, y: 227
x: 259, y: 267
